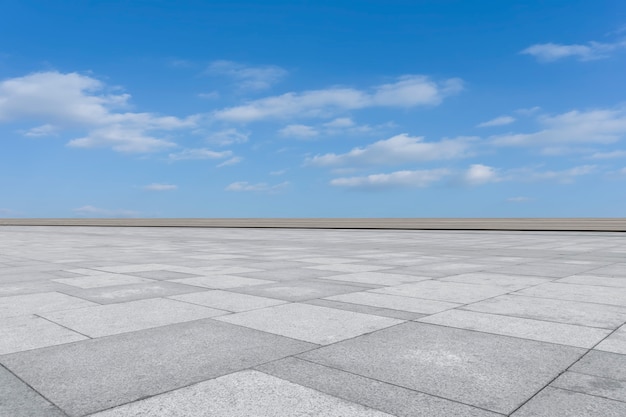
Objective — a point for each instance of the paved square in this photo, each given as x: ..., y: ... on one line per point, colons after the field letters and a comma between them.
x: 137, y: 321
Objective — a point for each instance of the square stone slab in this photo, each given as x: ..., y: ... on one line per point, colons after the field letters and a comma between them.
x: 129, y: 317
x: 510, y: 282
x: 19, y: 400
x: 479, y: 369
x: 349, y: 267
x: 32, y: 332
x: 452, y: 292
x: 288, y: 274
x: 543, y: 331
x: 229, y: 301
x: 554, y: 402
x: 94, y: 375
x: 299, y: 290
x: 619, y: 282
x: 221, y: 281
x: 19, y: 305
x: 615, y: 343
x: 604, y: 364
x: 310, y: 323
x: 576, y: 292
x: 415, y: 305
x: 562, y: 311
x: 243, y: 394
x: 102, y: 280
x: 389, y: 398
x: 377, y: 278
x: 592, y: 385
x: 615, y: 270
x: 124, y: 293
x: 361, y: 308
x: 163, y: 274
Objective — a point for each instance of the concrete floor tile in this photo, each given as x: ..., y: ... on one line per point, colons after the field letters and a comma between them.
x: 415, y: 305
x: 310, y: 323
x: 377, y: 278
x: 510, y: 282
x: 602, y: 281
x: 32, y: 332
x: 299, y: 290
x: 543, y: 331
x: 554, y: 402
x: 453, y: 292
x: 365, y: 309
x: 615, y: 270
x: 389, y: 398
x: 229, y: 301
x: 102, y: 280
x: 19, y: 400
x: 561, y: 311
x: 288, y: 274
x: 163, y: 275
x: 615, y: 343
x: 592, y: 385
x: 129, y: 317
x: 349, y: 268
x: 604, y: 364
x: 478, y: 369
x: 243, y: 394
x: 543, y: 269
x: 576, y: 292
x: 222, y: 281
x: 125, y: 293
x: 19, y: 305
x: 30, y: 287
x: 328, y: 260
x: 93, y: 375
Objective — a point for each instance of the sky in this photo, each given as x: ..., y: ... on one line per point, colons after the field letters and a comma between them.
x: 312, y: 108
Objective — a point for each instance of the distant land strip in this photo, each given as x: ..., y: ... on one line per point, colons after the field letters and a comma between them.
x: 510, y: 224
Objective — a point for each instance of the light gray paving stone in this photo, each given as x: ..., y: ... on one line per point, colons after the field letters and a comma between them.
x: 615, y: 270
x: 103, y: 280
x: 595, y: 280
x: 554, y: 402
x: 510, y: 282
x: 543, y: 331
x: 29, y: 287
x: 93, y: 375
x: 226, y: 270
x: 453, y: 292
x: 243, y: 394
x: 377, y: 278
x: 19, y: 400
x: 562, y: 311
x: 32, y: 332
x: 19, y: 305
x: 320, y: 325
x: 222, y: 281
x: 449, y: 268
x: 129, y: 317
x: 299, y: 290
x: 415, y: 305
x: 543, y: 269
x: 604, y: 364
x: 615, y: 343
x: 288, y: 274
x: 365, y: 309
x: 125, y: 293
x: 349, y: 268
x: 163, y: 275
x: 123, y: 269
x: 272, y: 265
x: 389, y: 398
x: 592, y: 385
x: 576, y: 292
x: 229, y: 301
x: 478, y: 369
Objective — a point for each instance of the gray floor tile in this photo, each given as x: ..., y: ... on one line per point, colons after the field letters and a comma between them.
x: 229, y: 301
x: 243, y: 394
x: 365, y: 309
x: 576, y: 292
x: 479, y: 369
x: 592, y: 385
x: 615, y: 270
x: 389, y: 398
x: 129, y: 317
x: 19, y: 305
x: 300, y: 290
x: 554, y: 402
x: 510, y: 282
x: 221, y: 281
x: 397, y: 302
x: 19, y: 400
x: 453, y: 292
x: 30, y: 287
x: 602, y: 281
x: 102, y: 280
x: 543, y: 269
x: 604, y: 364
x: 163, y: 274
x: 125, y: 293
x: 93, y: 375
x: 310, y: 323
x: 32, y: 332
x: 562, y: 311
x: 377, y: 278
x: 288, y: 274
x: 543, y: 331
x: 349, y: 268
x: 615, y: 343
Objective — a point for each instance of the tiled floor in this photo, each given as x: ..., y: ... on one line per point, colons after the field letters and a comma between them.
x: 194, y: 322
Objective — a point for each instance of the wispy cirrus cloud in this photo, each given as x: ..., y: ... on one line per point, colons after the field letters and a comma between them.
x: 261, y: 187
x: 397, y: 179
x: 232, y: 161
x: 498, y: 121
x: 609, y: 155
x: 550, y: 52
x: 91, y: 211
x: 72, y: 101
x: 399, y: 149
x: 407, y: 91
x: 298, y: 131
x: 198, y: 153
x: 247, y: 77
x: 160, y: 187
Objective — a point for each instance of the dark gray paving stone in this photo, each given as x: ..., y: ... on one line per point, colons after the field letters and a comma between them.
x: 93, y: 375
x: 30, y: 287
x: 365, y: 309
x: 554, y: 402
x: 592, y: 385
x: 299, y: 290
x: 123, y: 293
x: 483, y: 370
x: 288, y: 274
x: 604, y: 364
x: 19, y: 400
x: 396, y: 302
x: 389, y: 398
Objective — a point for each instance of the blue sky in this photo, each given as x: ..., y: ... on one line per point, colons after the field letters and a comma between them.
x: 312, y: 108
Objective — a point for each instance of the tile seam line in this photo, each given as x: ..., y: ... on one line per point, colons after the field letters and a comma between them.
x: 65, y: 327
x: 565, y: 370
x: 591, y: 395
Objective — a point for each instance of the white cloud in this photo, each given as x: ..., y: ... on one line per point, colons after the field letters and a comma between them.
x: 574, y: 127
x: 519, y: 199
x: 549, y: 52
x: 75, y: 101
x: 565, y: 176
x: 399, y: 149
x: 407, y: 91
x: 259, y: 187
x: 278, y: 173
x: 91, y: 211
x: 248, y: 77
x: 232, y: 161
x: 228, y: 137
x: 213, y: 95
x: 340, y: 123
x: 298, y: 131
x: 498, y: 121
x: 609, y: 155
x: 160, y: 187
x: 198, y: 153
x: 479, y: 174
x: 411, y: 179
x: 528, y: 111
